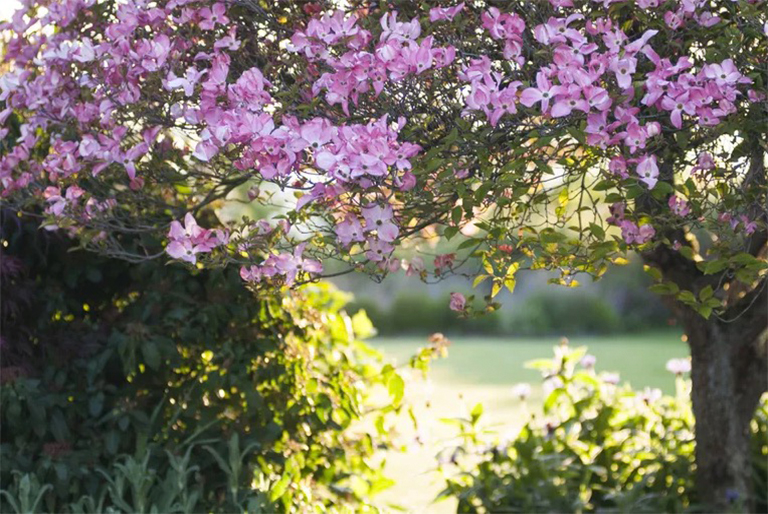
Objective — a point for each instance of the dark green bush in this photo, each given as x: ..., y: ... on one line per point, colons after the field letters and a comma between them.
x: 150, y: 388
x: 599, y: 447
x: 626, y: 289
x: 413, y: 313
x: 557, y: 312
x: 421, y: 314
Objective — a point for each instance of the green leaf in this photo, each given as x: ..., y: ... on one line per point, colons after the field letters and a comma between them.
x: 496, y: 288
x: 509, y: 279
x: 482, y: 191
x: 687, y: 297
x: 603, y: 185
x: 540, y: 364
x: 278, y: 490
x: 654, y: 272
x: 396, y: 387
x: 706, y: 293
x: 59, y: 427
x: 477, y: 411
x: 597, y: 230
x: 687, y: 252
x: 712, y: 267
x: 664, y: 288
x: 96, y: 404
x: 479, y: 280
x: 456, y: 214
x: 151, y: 354
x: 362, y: 326
x: 550, y: 236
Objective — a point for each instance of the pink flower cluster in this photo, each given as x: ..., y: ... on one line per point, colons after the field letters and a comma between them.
x: 708, y: 95
x: 738, y: 222
x: 59, y: 76
x: 378, y: 231
x: 445, y: 13
x: 593, y: 71
x: 630, y: 231
x: 286, y: 266
x: 507, y: 27
x: 487, y: 94
x: 678, y: 206
x: 362, y: 64
x: 187, y: 240
x: 57, y: 203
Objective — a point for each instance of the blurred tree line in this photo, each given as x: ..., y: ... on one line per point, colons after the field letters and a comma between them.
x: 619, y: 302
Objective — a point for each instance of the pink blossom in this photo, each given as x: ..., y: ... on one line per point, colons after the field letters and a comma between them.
x: 724, y: 73
x: 648, y: 170
x: 378, y: 250
x: 380, y: 219
x: 521, y: 390
x: 502, y: 25
x: 210, y: 17
x: 623, y: 70
x: 190, y: 239
x: 569, y: 101
x: 749, y: 226
x: 705, y: 162
x: 445, y: 13
x: 618, y: 166
x: 544, y: 93
x: 458, y: 302
x: 350, y: 230
x: 414, y: 267
x: 678, y: 206
x: 444, y: 262
x: 634, y: 234
x: 673, y: 20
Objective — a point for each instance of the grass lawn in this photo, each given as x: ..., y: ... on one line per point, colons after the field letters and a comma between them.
x: 639, y: 358
x: 483, y: 370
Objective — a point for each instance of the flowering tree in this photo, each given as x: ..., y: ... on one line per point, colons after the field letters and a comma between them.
x: 554, y: 135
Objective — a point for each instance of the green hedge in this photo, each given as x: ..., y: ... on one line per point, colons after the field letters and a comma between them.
x: 421, y: 314
x: 559, y: 312
x: 619, y: 302
x: 151, y: 388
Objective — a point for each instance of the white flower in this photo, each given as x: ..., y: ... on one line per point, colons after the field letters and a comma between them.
x: 521, y: 390
x: 649, y: 395
x: 679, y: 366
x: 588, y: 361
x: 551, y: 384
x: 611, y: 378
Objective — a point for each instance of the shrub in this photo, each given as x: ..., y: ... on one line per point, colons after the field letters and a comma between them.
x: 555, y: 312
x: 415, y: 313
x: 144, y: 388
x: 422, y: 314
x: 599, y: 447
x: 626, y: 288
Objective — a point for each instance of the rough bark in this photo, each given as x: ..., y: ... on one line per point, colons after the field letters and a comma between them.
x: 729, y: 375
x: 729, y: 352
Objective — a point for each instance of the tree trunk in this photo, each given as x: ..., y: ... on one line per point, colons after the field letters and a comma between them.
x: 729, y: 375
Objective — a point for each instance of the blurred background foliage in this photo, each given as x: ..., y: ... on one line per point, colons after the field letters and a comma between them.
x: 151, y: 388
x: 618, y: 303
